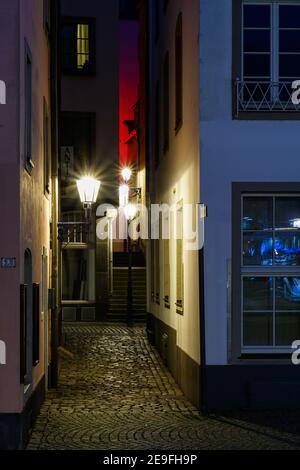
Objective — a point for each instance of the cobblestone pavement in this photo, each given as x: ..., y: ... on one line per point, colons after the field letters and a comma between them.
x: 116, y: 394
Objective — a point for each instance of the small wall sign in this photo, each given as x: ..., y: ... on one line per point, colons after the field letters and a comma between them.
x: 8, y: 263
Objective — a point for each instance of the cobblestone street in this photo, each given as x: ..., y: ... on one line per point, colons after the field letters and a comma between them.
x: 116, y: 394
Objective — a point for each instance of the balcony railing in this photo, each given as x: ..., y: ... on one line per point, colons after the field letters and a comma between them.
x: 73, y: 229
x: 264, y: 97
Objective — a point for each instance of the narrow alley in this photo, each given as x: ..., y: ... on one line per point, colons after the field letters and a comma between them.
x: 115, y: 393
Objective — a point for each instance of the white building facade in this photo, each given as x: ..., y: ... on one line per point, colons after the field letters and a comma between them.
x: 249, y: 179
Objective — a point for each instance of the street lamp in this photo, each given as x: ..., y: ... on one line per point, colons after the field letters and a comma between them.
x: 88, y: 189
x: 126, y: 174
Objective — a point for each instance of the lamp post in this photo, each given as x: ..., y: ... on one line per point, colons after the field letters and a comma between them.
x: 130, y: 213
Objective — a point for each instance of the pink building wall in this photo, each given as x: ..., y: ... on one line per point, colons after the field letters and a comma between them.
x: 25, y: 211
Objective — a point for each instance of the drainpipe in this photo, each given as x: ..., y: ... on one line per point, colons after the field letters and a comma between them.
x: 56, y: 262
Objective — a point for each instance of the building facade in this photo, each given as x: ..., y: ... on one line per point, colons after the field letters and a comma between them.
x: 173, y: 112
x: 250, y: 183
x: 26, y: 123
x: 223, y: 132
x: 89, y: 145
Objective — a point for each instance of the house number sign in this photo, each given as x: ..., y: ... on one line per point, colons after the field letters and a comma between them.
x: 8, y: 263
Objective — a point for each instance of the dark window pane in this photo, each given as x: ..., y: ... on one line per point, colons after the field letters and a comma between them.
x: 289, y: 41
x: 67, y: 32
x: 289, y: 16
x: 287, y: 248
x: 258, y: 293
x: 74, y: 272
x: 287, y: 212
x: 289, y: 65
x: 257, y: 41
x: 257, y: 16
x: 257, y: 248
x: 287, y: 293
x: 257, y: 213
x: 286, y: 91
x: 258, y: 329
x: 287, y: 328
x: 257, y: 65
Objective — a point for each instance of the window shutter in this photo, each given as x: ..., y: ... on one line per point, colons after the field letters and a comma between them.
x: 36, y: 324
x: 23, y: 331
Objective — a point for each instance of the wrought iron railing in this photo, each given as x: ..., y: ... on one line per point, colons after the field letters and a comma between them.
x: 265, y: 96
x: 73, y: 229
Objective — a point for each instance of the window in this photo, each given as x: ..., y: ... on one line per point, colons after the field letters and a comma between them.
x: 179, y: 260
x: 46, y: 150
x: 28, y: 110
x: 36, y: 325
x: 152, y: 269
x: 157, y: 271
x: 178, y: 72
x: 270, y: 271
x: 166, y: 103
x: 270, y: 53
x: 166, y: 247
x: 75, y: 274
x: 157, y: 262
x: 78, y: 46
x: 157, y: 126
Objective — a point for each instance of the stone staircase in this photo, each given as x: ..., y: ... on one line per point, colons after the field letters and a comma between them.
x: 117, y: 311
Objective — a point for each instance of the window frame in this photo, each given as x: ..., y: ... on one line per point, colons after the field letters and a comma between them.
x: 179, y: 73
x: 46, y: 148
x: 239, y: 190
x: 28, y: 105
x: 166, y: 102
x: 74, y: 21
x: 237, y: 61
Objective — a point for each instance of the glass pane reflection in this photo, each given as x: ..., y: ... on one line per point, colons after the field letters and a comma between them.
x: 287, y: 248
x: 288, y: 293
x: 287, y: 328
x: 258, y: 329
x: 257, y: 249
x: 258, y: 213
x: 287, y: 212
x: 258, y: 293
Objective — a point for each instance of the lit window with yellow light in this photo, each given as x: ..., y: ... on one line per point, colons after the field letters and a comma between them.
x: 83, y: 46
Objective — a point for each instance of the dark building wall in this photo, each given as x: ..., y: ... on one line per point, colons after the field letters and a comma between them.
x: 98, y: 93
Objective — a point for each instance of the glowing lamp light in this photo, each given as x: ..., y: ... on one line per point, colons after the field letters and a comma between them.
x: 126, y: 174
x: 296, y: 223
x: 123, y: 195
x: 88, y: 189
x: 130, y: 211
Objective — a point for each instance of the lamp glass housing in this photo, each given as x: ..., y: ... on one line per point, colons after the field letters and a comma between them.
x: 126, y: 174
x: 88, y: 189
